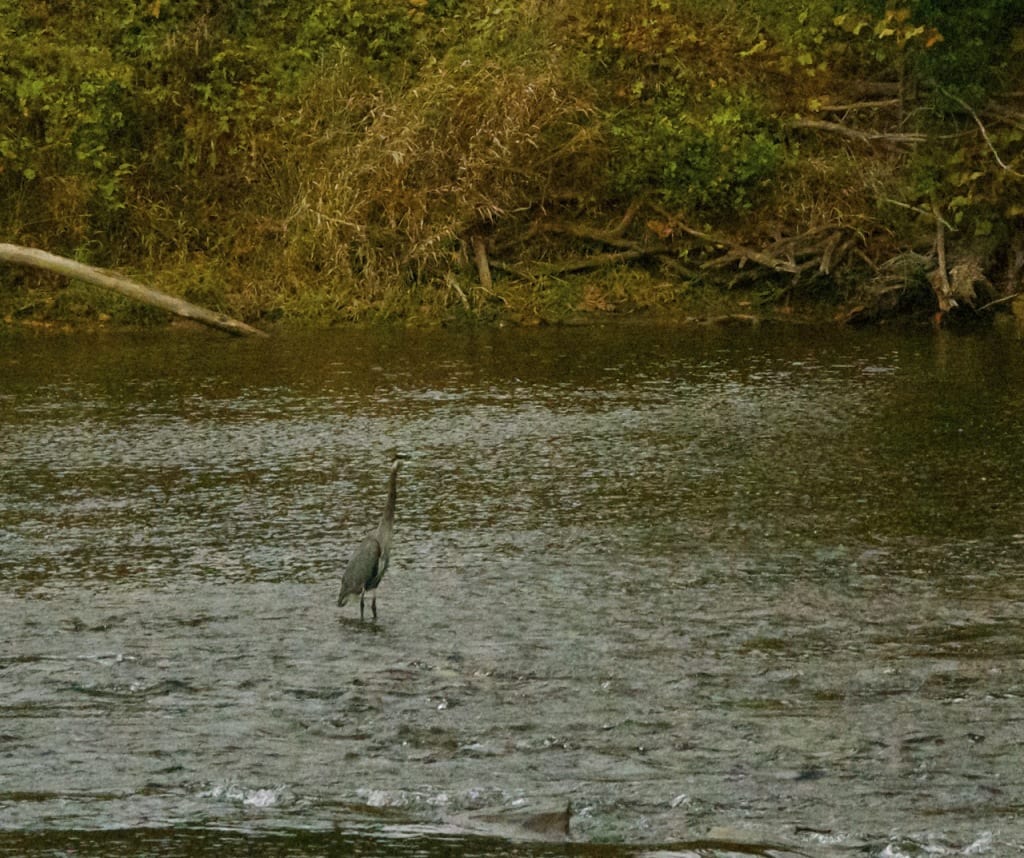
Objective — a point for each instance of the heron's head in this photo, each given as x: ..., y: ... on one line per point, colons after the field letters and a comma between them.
x: 398, y: 459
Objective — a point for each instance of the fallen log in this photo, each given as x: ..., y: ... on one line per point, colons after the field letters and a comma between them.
x: 34, y: 258
x: 570, y: 266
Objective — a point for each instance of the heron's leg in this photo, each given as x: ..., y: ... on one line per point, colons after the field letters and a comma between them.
x: 361, y: 605
x: 373, y: 604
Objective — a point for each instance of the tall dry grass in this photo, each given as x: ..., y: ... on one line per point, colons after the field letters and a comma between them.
x: 396, y: 179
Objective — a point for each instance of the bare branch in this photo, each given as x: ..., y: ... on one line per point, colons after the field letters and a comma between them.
x: 934, y: 212
x: 738, y: 251
x: 859, y: 105
x: 896, y: 138
x: 984, y: 133
x: 585, y: 263
x: 1002, y: 300
x: 627, y: 219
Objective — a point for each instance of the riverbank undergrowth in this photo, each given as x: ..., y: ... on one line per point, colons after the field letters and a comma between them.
x: 516, y: 160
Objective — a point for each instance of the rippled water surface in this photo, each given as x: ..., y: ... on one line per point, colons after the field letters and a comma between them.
x: 672, y: 591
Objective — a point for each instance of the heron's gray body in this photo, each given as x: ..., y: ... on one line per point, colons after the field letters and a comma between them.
x: 369, y: 562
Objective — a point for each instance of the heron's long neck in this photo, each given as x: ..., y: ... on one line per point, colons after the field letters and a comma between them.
x: 388, y: 518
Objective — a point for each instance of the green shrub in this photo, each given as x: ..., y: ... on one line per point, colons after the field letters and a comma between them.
x: 694, y: 157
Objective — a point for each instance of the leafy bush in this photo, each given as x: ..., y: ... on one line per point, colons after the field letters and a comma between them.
x: 982, y: 46
x: 714, y: 160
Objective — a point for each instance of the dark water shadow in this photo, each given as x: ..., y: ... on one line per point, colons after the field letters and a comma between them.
x: 359, y: 625
x: 401, y: 843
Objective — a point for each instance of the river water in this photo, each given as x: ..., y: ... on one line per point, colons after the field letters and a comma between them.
x: 673, y: 591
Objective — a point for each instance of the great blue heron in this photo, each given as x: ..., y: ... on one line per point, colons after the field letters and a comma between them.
x: 369, y: 562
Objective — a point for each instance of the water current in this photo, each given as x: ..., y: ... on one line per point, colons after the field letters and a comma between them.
x: 653, y: 592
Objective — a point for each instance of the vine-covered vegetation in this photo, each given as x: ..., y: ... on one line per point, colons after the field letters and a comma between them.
x: 520, y: 159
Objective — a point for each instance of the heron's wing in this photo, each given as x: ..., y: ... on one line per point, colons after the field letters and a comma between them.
x: 362, y: 567
x: 382, y: 567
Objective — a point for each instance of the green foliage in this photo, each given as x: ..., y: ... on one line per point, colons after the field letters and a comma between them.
x: 981, y: 50
x: 172, y: 94
x: 712, y: 157
x: 69, y: 114
x: 884, y: 43
x: 334, y: 157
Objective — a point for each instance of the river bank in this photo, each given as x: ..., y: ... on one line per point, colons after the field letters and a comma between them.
x: 68, y: 307
x: 521, y: 162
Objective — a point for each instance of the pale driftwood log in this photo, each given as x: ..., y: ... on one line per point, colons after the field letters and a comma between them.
x: 78, y: 271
